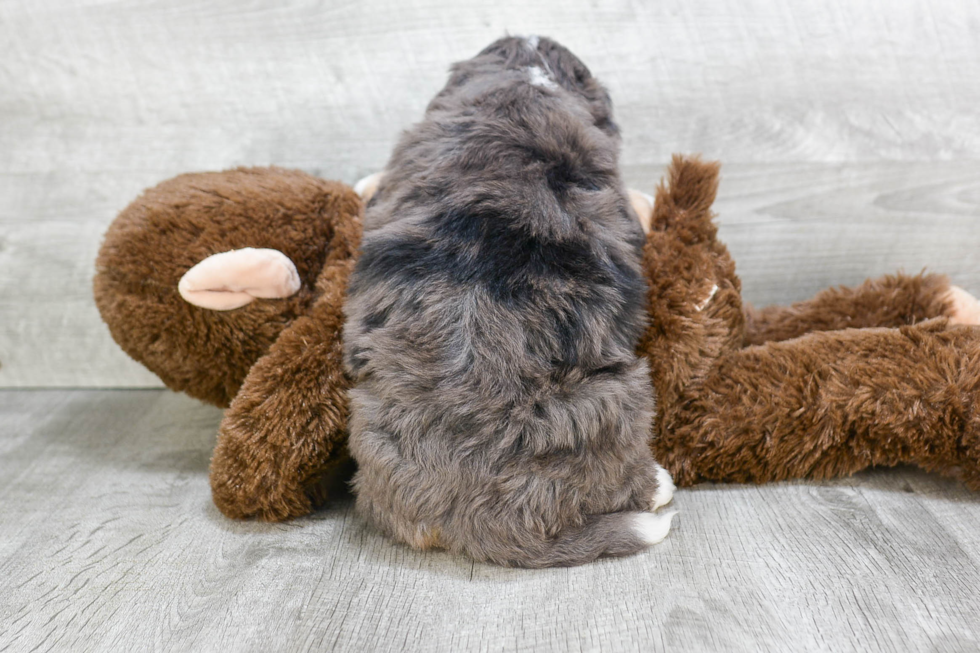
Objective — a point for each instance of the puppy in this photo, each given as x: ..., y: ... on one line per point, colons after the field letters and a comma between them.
x: 499, y: 408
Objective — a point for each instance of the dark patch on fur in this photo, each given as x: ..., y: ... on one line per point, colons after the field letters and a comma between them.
x: 563, y: 175
x: 491, y: 249
x: 376, y: 319
x: 613, y: 369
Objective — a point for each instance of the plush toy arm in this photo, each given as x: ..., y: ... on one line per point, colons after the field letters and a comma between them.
x: 824, y: 404
x: 281, y: 444
x: 832, y: 403
x: 285, y: 431
x: 694, y: 305
x: 643, y: 207
x: 891, y: 301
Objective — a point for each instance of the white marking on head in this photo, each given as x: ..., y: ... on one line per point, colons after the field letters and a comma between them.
x: 539, y: 77
x: 533, y: 42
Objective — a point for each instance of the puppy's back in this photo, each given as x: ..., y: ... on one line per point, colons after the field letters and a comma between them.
x: 500, y: 409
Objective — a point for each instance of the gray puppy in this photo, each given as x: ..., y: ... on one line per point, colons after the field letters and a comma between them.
x: 499, y: 407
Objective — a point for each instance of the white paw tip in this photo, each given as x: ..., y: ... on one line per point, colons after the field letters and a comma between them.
x: 653, y: 528
x: 665, y: 488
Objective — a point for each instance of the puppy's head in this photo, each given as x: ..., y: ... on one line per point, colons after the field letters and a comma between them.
x: 543, y: 62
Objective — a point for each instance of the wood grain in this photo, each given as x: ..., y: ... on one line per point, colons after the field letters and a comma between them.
x: 187, y: 85
x: 110, y: 542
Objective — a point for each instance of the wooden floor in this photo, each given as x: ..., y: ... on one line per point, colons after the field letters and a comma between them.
x: 109, y: 541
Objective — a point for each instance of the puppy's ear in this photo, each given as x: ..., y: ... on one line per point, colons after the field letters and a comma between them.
x: 643, y: 206
x: 229, y: 280
x: 367, y: 186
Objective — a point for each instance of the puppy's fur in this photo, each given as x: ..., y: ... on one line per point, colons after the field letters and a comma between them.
x: 499, y: 407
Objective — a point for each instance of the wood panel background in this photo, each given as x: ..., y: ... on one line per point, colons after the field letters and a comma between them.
x: 849, y: 129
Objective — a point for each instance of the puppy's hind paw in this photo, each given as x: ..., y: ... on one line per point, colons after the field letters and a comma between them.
x: 665, y: 489
x: 652, y: 528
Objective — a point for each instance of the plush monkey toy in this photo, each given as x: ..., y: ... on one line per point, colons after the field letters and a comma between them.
x: 230, y: 287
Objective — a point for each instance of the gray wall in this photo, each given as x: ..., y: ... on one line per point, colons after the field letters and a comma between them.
x: 849, y: 130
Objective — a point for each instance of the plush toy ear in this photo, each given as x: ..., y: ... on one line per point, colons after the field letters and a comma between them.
x: 232, y: 279
x: 964, y: 307
x: 367, y: 186
x: 643, y: 205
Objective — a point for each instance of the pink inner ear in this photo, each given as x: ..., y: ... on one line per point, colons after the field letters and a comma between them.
x: 232, y: 279
x: 643, y: 206
x: 367, y: 186
x: 965, y: 307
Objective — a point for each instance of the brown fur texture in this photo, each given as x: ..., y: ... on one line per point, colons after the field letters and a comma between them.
x: 175, y: 225
x: 890, y: 301
x: 277, y: 362
x: 821, y: 403
x: 282, y: 441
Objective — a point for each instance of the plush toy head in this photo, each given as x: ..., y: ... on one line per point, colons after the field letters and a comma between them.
x: 176, y: 225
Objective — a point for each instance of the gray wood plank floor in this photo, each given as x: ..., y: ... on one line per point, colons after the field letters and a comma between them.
x: 109, y: 542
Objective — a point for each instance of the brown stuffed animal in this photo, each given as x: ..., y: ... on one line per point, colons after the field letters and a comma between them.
x: 882, y: 374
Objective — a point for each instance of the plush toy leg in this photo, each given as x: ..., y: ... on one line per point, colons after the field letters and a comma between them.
x: 821, y: 405
x: 891, y: 301
x: 832, y: 403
